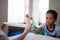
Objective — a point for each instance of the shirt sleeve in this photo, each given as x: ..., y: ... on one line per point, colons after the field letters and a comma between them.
x: 58, y: 31
x: 3, y: 36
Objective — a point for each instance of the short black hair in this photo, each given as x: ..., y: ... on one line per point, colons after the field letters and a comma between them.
x: 53, y: 12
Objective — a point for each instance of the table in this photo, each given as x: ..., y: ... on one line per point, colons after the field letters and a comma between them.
x: 32, y: 36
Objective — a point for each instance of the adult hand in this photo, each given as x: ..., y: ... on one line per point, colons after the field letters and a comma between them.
x: 3, y: 25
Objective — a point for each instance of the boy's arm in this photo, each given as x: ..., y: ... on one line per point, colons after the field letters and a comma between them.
x: 37, y: 30
x: 58, y: 37
x: 58, y: 32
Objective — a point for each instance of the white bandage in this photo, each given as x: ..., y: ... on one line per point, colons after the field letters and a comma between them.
x: 31, y: 21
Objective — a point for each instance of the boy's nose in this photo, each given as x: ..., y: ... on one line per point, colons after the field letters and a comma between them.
x: 48, y: 20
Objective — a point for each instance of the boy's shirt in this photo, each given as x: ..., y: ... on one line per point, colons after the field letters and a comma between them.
x: 54, y: 33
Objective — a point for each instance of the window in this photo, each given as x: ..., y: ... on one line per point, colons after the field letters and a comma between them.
x: 43, y: 7
x: 17, y: 10
x: 39, y: 10
x: 26, y: 7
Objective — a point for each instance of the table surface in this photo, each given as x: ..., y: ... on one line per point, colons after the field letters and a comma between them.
x: 15, y: 24
x: 32, y: 36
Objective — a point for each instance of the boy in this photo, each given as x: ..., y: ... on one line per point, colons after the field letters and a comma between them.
x: 50, y: 28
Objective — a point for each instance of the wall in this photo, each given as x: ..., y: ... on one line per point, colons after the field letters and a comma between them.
x: 55, y: 5
x: 0, y: 11
x: 30, y: 7
x: 3, y: 10
x: 35, y: 11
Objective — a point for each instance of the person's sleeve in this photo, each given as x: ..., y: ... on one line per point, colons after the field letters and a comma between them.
x: 3, y: 36
x: 58, y: 31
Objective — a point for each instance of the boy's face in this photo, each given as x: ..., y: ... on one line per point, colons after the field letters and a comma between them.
x: 50, y: 19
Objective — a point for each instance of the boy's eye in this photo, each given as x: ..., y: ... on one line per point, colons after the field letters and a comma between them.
x: 46, y: 17
x: 49, y: 18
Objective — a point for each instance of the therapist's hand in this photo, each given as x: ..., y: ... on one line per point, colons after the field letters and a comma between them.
x: 28, y: 27
x: 3, y: 26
